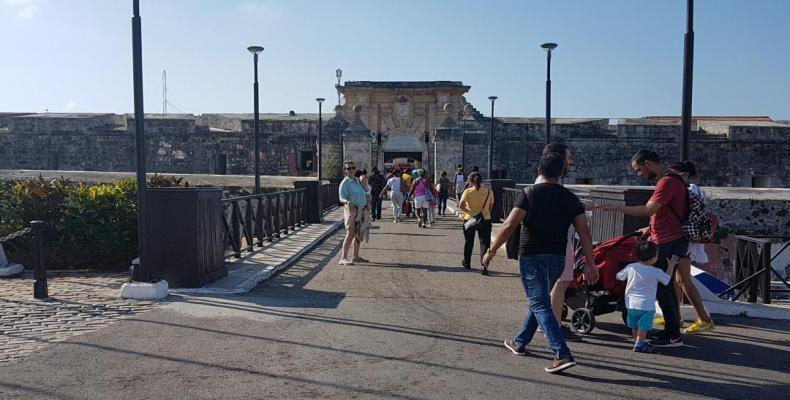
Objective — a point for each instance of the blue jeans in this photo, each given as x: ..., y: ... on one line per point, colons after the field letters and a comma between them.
x: 538, y: 274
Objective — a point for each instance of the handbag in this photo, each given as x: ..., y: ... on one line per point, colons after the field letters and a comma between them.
x: 472, y: 223
x: 428, y: 193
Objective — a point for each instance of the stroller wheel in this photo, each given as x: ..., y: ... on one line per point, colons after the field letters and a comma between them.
x: 583, y: 320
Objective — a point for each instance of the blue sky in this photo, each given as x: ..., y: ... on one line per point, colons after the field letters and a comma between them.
x: 616, y: 58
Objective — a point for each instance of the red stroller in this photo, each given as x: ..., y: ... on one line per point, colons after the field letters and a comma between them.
x: 584, y: 301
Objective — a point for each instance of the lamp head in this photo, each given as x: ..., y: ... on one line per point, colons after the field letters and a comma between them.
x: 339, y: 73
x: 549, y: 46
x: 320, y: 99
x: 492, y: 98
x: 255, y: 49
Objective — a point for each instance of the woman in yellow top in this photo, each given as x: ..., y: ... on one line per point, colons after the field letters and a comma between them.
x: 476, y: 202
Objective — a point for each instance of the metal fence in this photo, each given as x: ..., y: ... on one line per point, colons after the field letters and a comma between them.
x: 36, y: 235
x: 251, y: 220
x: 753, y: 269
x: 330, y: 196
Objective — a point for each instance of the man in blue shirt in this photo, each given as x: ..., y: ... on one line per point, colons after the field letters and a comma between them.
x: 354, y: 200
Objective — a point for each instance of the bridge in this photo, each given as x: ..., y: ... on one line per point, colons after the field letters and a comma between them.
x: 411, y: 323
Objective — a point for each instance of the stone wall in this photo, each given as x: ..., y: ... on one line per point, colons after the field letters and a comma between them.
x: 732, y: 155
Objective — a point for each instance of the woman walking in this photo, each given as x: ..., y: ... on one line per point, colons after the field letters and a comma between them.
x: 683, y: 278
x: 396, y: 197
x: 421, y: 189
x: 444, y: 192
x: 476, y: 202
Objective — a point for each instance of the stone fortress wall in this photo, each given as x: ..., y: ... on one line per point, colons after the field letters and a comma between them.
x: 381, y: 119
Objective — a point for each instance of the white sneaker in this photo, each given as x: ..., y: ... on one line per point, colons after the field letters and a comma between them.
x: 344, y: 261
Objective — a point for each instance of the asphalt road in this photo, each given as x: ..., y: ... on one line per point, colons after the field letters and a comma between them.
x: 410, y: 324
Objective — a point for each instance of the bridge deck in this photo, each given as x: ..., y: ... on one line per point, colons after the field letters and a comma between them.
x: 410, y: 324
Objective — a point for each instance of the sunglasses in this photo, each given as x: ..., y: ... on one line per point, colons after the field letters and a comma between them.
x: 350, y: 168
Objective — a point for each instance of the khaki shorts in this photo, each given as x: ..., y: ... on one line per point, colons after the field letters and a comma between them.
x: 350, y: 212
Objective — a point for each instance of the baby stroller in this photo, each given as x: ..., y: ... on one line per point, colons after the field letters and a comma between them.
x: 584, y: 301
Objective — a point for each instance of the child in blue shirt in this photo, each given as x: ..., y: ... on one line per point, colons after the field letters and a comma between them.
x: 640, y: 291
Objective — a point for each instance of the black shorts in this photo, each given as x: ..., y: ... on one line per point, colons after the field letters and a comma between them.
x: 679, y: 247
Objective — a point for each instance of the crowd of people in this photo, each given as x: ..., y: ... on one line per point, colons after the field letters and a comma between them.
x: 544, y: 218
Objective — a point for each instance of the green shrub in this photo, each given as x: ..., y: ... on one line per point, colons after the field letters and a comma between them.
x: 99, y: 225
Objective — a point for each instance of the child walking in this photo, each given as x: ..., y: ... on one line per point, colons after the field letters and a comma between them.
x: 640, y: 291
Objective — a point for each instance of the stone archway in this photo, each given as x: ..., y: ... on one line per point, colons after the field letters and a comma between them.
x: 403, y: 148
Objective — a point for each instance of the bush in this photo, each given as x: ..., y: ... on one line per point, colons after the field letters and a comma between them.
x: 89, y: 226
x: 99, y: 225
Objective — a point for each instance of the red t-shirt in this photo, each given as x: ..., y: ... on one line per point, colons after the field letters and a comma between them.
x: 664, y: 225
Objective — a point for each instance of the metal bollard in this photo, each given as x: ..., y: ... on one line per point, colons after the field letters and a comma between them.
x: 39, y: 267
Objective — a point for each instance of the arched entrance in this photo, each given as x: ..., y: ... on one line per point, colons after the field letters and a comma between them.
x: 403, y: 149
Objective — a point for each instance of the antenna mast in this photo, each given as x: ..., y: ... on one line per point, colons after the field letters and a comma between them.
x: 164, y: 92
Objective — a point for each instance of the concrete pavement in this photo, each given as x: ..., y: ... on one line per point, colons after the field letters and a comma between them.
x: 410, y: 324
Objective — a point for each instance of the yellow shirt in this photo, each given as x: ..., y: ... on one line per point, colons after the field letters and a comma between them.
x: 474, y: 201
x: 408, y: 178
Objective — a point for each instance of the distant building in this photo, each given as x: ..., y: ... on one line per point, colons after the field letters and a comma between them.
x: 429, y: 123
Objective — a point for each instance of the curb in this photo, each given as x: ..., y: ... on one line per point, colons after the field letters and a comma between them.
x: 260, y: 276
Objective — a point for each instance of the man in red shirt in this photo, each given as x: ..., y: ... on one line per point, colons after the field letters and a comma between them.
x: 667, y: 208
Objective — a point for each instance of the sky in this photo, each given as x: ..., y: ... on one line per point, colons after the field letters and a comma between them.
x: 616, y: 58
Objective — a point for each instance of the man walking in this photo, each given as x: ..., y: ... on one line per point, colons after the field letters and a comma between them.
x: 354, y: 200
x: 460, y: 183
x: 377, y: 183
x: 544, y: 212
x: 667, y: 209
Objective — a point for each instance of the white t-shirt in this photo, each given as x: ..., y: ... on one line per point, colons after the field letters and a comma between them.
x: 640, y: 291
x: 697, y: 250
x: 460, y: 180
x: 394, y: 184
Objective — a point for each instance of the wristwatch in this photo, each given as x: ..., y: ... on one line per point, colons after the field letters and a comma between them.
x: 491, y: 253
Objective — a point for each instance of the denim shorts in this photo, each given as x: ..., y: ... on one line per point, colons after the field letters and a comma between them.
x: 640, y: 319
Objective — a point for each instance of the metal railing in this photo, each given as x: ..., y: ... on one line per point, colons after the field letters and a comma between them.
x: 753, y: 269
x: 248, y: 221
x: 330, y: 196
x: 36, y: 234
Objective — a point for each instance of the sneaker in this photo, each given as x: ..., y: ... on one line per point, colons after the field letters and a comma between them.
x: 466, y: 265
x: 484, y: 271
x: 359, y: 259
x: 665, y: 341
x: 514, y: 348
x: 560, y: 365
x: 344, y: 261
x: 645, y: 348
x: 659, y: 320
x: 699, y: 326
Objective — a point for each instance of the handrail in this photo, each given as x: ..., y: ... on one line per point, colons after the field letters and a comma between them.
x: 250, y: 220
x: 753, y: 268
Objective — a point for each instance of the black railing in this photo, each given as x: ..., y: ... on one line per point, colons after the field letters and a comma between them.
x: 36, y: 234
x: 753, y: 269
x: 330, y: 196
x: 251, y: 220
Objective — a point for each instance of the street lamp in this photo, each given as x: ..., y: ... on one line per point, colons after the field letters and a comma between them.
x: 141, y: 272
x: 320, y: 100
x: 491, y: 138
x: 549, y: 47
x: 338, y: 75
x: 255, y: 50
x: 688, y: 77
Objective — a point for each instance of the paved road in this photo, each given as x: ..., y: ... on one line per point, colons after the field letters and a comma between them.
x: 411, y: 324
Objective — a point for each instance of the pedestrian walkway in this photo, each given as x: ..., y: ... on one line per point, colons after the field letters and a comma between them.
x: 410, y: 324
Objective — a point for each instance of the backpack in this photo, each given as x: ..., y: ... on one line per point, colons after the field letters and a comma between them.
x: 700, y: 224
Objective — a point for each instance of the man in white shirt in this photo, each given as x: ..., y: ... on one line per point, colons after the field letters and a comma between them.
x: 396, y: 197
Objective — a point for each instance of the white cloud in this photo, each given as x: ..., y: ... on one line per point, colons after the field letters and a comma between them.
x: 25, y: 9
x: 71, y: 106
x: 259, y: 10
x: 27, y: 12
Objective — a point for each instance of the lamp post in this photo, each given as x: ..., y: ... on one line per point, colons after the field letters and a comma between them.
x: 491, y: 138
x: 255, y: 50
x: 320, y: 100
x: 141, y: 272
x: 338, y: 75
x: 549, y: 47
x: 688, y: 77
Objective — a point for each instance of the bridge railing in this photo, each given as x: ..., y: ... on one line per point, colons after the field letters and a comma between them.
x: 330, y: 196
x: 251, y: 220
x: 753, y: 269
